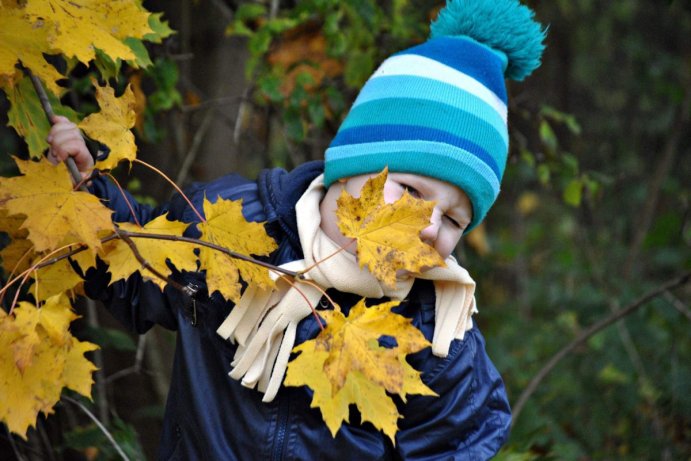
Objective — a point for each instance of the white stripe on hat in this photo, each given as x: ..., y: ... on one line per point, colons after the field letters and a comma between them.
x: 421, y: 66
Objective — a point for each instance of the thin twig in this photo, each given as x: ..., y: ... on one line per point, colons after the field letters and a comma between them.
x: 182, y: 194
x: 18, y: 455
x: 314, y: 311
x: 101, y: 399
x: 145, y: 264
x: 103, y: 429
x: 587, y: 333
x: 191, y: 155
x: 124, y: 196
x: 678, y: 305
x: 177, y: 238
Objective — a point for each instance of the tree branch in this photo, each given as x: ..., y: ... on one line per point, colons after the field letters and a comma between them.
x: 587, y: 333
x: 48, y: 109
x: 103, y: 429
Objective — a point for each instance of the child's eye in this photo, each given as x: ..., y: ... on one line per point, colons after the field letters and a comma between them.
x: 411, y: 190
x: 452, y: 221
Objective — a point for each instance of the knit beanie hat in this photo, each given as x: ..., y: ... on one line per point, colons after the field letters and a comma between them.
x: 439, y: 109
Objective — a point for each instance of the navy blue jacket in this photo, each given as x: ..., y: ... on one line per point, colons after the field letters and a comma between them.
x: 210, y: 416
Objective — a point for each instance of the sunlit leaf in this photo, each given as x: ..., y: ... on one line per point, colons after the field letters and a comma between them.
x: 346, y: 364
x: 388, y: 234
x: 122, y: 262
x: 56, y: 214
x: 38, y: 358
x: 78, y: 27
x: 226, y: 226
x: 112, y: 125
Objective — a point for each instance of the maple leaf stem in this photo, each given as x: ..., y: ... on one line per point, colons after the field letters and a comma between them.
x: 304, y: 271
x: 172, y: 183
x: 24, y: 276
x: 232, y: 254
x: 314, y: 311
x: 124, y: 196
x: 48, y: 110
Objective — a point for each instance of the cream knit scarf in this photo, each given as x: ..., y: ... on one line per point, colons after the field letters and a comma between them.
x: 264, y: 322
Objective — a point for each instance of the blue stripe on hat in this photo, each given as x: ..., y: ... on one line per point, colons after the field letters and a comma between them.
x: 467, y: 56
x: 395, y: 86
x: 403, y: 134
x: 430, y: 114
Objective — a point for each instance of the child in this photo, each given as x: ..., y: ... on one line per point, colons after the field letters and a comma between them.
x: 435, y: 115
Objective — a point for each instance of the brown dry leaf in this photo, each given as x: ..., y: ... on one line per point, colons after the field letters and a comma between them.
x: 345, y: 364
x: 38, y: 357
x: 297, y: 46
x: 225, y: 226
x: 57, y: 214
x: 112, y: 125
x: 122, y: 262
x: 388, y: 235
x: 78, y: 27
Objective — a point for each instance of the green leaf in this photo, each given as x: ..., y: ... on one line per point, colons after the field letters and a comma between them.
x: 141, y: 54
x: 249, y: 11
x: 610, y: 374
x: 315, y: 109
x: 543, y: 174
x: 160, y: 28
x: 109, y: 338
x: 27, y: 117
x: 528, y: 157
x: 108, y: 68
x: 259, y: 43
x: 359, y: 67
x: 573, y: 192
x: 549, y: 139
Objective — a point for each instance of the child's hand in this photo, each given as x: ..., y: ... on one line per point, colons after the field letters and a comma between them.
x: 65, y: 141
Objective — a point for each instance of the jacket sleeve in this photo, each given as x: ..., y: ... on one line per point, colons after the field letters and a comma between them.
x: 139, y: 304
x: 470, y: 419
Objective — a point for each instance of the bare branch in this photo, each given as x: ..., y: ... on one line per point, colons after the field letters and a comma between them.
x: 103, y: 429
x: 587, y: 333
x: 48, y: 109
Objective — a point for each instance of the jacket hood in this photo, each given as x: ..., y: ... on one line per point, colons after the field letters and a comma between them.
x: 280, y: 190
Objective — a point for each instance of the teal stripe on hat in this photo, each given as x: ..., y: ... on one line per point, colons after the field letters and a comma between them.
x: 418, y: 112
x: 394, y: 86
x: 426, y: 158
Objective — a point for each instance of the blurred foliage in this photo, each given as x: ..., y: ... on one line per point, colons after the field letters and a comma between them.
x: 594, y: 210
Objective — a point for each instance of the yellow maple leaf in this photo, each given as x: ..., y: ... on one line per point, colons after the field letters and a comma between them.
x: 346, y: 364
x: 78, y: 27
x: 56, y: 214
x: 226, y: 226
x: 387, y: 234
x: 60, y: 277
x: 18, y: 254
x: 51, y: 359
x: 122, y: 262
x: 112, y: 124
x: 25, y: 39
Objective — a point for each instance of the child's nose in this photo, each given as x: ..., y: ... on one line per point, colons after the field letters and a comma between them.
x: 430, y: 233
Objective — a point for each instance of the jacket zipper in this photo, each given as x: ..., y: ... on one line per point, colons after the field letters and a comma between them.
x: 281, y: 429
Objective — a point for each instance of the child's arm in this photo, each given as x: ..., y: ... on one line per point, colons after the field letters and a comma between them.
x: 65, y: 141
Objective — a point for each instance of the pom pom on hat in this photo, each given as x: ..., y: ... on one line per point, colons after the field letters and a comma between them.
x: 505, y: 26
x: 439, y: 109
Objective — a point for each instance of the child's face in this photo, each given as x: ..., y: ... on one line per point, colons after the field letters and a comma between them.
x: 452, y: 212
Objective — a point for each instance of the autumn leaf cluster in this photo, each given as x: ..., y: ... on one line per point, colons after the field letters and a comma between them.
x: 57, y: 232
